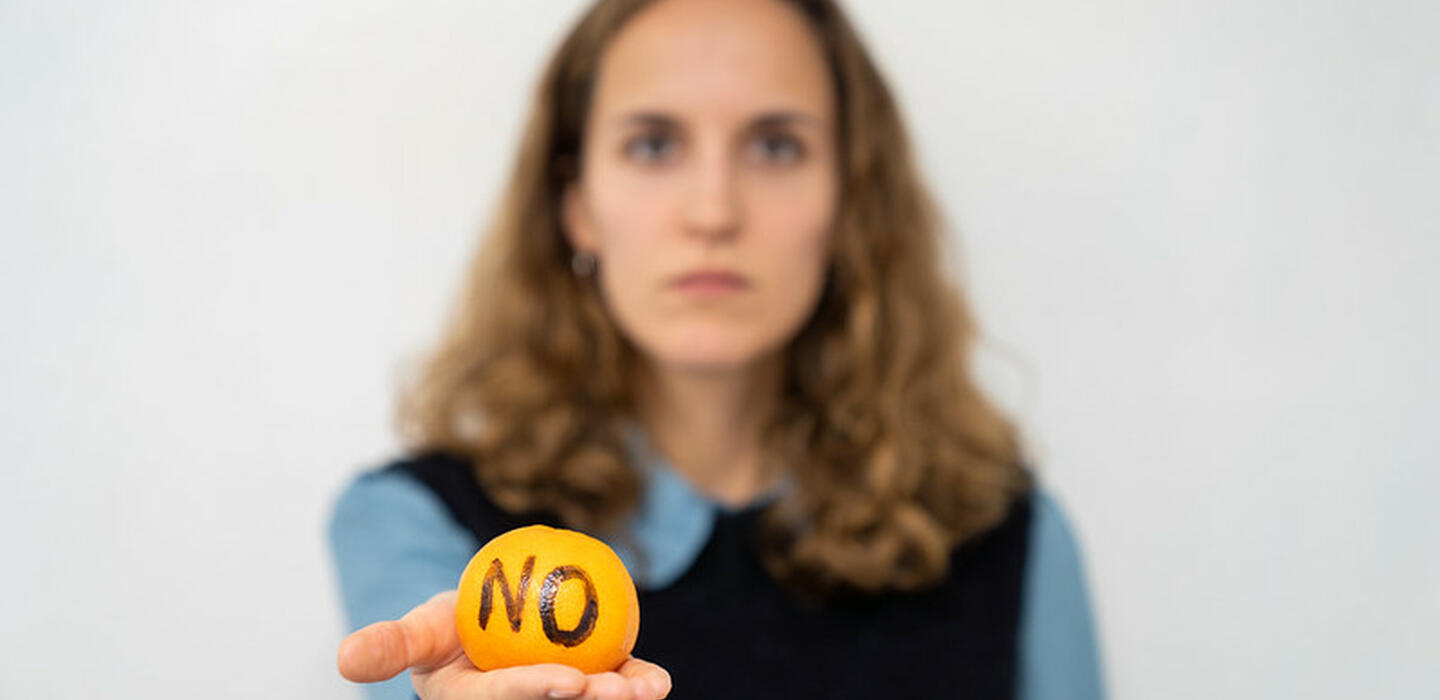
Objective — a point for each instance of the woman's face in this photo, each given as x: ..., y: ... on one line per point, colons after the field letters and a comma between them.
x: 709, y: 180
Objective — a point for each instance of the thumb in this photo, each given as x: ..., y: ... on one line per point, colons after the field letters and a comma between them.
x: 423, y: 639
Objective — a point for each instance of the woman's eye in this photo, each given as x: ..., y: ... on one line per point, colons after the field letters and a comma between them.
x: 650, y: 147
x: 779, y: 148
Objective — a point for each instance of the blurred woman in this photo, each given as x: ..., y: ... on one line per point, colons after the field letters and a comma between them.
x: 711, y: 326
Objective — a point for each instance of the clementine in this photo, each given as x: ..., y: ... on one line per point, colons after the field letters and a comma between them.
x: 539, y: 594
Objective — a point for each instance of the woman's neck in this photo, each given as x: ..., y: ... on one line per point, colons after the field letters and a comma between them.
x: 708, y: 425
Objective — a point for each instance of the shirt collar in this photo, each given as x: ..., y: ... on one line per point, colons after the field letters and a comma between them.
x: 665, y: 535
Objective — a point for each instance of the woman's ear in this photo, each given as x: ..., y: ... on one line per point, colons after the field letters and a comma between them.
x: 575, y: 219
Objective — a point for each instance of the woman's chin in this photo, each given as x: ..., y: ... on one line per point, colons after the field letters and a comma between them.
x: 709, y: 346
x: 706, y: 363
x: 699, y: 355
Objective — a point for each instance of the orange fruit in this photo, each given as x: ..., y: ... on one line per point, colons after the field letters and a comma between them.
x: 539, y: 594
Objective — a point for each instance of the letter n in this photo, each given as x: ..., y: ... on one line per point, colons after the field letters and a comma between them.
x: 514, y: 604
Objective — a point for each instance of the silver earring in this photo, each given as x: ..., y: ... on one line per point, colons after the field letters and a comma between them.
x: 583, y: 264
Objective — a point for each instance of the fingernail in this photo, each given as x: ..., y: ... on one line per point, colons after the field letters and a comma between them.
x: 559, y: 693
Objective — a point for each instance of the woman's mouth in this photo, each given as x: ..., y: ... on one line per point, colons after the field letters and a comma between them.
x: 710, y: 283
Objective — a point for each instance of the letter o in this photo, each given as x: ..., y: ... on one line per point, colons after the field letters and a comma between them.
x: 549, y: 589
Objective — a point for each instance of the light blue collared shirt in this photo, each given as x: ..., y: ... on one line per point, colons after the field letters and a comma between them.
x: 385, y: 523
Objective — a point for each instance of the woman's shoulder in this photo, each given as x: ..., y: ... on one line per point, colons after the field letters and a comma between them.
x: 428, y: 485
x: 394, y: 487
x: 1055, y: 552
x: 1041, y: 514
x: 387, y: 500
x: 1050, y: 527
x: 1060, y: 656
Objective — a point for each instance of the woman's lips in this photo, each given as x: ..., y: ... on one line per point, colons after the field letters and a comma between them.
x: 710, y: 282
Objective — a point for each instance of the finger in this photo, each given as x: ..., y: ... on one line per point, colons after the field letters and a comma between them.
x: 609, y: 686
x: 653, y: 675
x: 424, y: 638
x: 641, y: 689
x: 460, y: 679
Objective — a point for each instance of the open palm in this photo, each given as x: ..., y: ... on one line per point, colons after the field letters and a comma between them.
x: 425, y: 642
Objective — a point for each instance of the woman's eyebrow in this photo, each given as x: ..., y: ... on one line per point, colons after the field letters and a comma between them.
x: 655, y: 119
x: 762, y: 121
x: 778, y: 119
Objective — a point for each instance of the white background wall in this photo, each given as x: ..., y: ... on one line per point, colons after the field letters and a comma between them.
x: 1202, y: 235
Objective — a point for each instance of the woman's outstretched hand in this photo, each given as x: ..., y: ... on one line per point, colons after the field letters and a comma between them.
x: 425, y: 641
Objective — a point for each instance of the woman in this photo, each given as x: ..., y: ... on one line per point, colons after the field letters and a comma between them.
x: 710, y: 326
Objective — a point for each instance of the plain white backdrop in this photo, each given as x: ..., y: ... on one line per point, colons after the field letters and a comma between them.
x: 1202, y: 237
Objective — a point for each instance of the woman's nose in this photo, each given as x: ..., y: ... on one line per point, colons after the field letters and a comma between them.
x: 712, y: 207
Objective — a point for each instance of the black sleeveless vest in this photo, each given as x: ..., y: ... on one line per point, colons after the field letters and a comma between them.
x: 725, y: 629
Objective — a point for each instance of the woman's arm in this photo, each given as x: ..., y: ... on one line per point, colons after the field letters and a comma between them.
x: 394, y: 546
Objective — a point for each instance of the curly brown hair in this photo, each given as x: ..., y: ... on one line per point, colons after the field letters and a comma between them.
x: 894, y: 453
